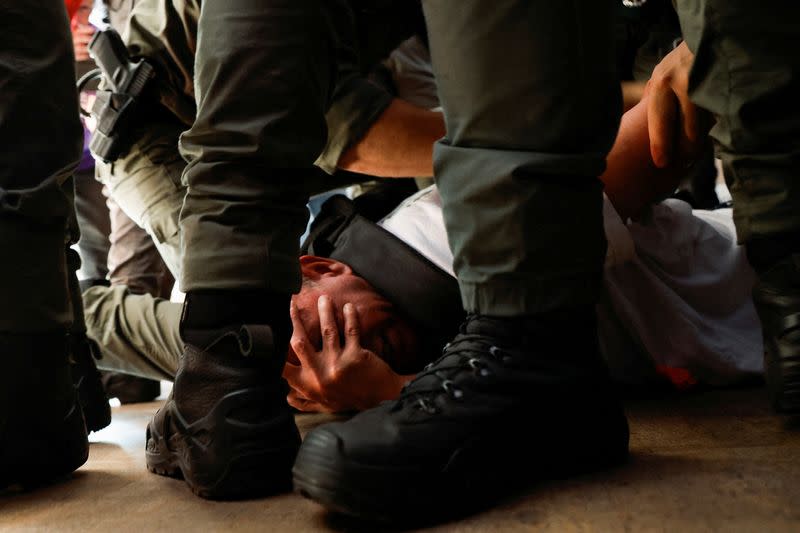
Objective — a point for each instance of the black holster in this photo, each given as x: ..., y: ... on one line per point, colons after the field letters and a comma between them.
x: 119, y: 100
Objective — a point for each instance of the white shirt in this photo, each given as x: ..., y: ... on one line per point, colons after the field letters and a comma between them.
x: 677, y: 287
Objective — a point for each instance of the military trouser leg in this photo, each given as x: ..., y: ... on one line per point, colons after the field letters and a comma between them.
x: 263, y: 76
x: 530, y: 115
x: 139, y: 334
x: 747, y: 73
x: 145, y: 183
x: 37, y: 91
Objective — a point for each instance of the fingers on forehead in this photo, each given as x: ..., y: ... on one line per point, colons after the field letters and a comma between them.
x: 351, y: 325
x: 299, y: 342
x: 327, y: 320
x: 294, y: 314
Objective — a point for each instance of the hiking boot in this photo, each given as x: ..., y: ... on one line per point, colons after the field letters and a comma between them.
x: 86, y: 380
x: 226, y: 428
x: 128, y: 388
x: 777, y: 300
x: 453, y: 440
x: 42, y: 431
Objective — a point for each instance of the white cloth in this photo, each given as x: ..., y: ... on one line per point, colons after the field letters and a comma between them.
x: 677, y: 287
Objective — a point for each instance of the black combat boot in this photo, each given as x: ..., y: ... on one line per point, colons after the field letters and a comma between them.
x: 510, y: 402
x: 87, y: 381
x: 42, y: 431
x: 777, y: 300
x: 226, y: 428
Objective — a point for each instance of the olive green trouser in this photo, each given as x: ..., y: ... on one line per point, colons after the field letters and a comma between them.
x: 253, y: 143
x: 114, y: 247
x: 145, y: 182
x: 532, y: 104
x: 138, y: 333
x: 747, y: 73
x: 254, y: 139
x: 41, y: 140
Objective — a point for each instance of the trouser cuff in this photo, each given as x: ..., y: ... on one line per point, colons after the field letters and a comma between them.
x: 513, y: 298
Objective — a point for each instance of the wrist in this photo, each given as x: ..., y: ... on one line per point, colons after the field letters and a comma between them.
x: 389, y: 391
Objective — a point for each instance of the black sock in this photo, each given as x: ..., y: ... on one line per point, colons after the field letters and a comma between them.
x: 212, y: 310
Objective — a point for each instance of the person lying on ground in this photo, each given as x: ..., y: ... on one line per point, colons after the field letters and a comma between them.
x: 677, y: 296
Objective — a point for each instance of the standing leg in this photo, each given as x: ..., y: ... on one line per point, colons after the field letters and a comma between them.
x: 92, y: 223
x: 531, y: 104
x: 746, y: 71
x: 263, y: 77
x: 44, y: 436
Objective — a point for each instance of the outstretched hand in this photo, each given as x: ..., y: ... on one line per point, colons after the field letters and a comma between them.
x: 340, y: 376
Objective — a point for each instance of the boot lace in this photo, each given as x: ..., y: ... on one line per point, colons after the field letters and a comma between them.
x: 466, y: 353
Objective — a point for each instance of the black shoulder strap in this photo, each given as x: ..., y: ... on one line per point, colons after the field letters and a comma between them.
x: 419, y: 289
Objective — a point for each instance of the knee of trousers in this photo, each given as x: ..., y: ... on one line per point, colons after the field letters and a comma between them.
x: 150, y: 194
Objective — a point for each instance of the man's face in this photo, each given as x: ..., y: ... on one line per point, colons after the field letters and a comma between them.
x: 383, y: 331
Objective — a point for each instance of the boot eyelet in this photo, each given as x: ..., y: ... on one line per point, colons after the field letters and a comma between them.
x: 452, y: 390
x: 423, y: 405
x: 500, y: 355
x: 479, y: 368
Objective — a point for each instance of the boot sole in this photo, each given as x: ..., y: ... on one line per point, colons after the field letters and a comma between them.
x: 329, y: 481
x: 236, y: 482
x: 413, y: 497
x: 254, y: 470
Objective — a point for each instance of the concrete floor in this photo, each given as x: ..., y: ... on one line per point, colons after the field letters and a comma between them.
x: 712, y: 461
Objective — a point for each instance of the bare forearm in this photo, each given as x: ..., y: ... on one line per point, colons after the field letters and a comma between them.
x: 632, y: 181
x: 398, y: 145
